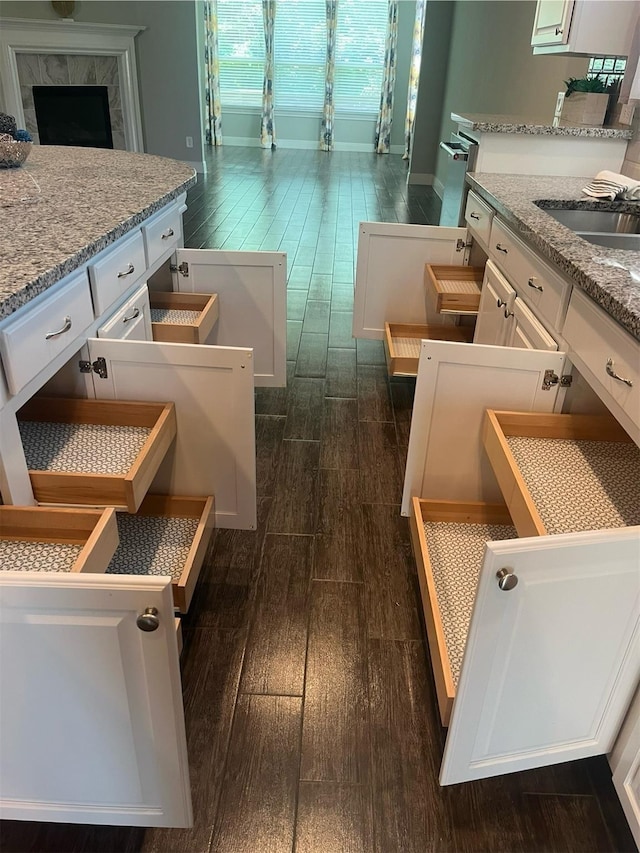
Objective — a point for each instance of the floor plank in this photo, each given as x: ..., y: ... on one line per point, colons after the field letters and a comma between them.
x: 257, y: 810
x: 275, y: 653
x: 380, y: 475
x: 341, y: 373
x: 339, y: 448
x: 333, y: 818
x: 269, y: 433
x: 305, y: 409
x: 374, y: 399
x: 312, y: 355
x: 293, y: 508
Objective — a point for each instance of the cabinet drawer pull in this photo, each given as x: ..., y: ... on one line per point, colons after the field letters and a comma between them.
x: 135, y: 313
x: 558, y: 31
x: 507, y: 313
x: 614, y: 375
x: 474, y: 215
x: 502, y: 249
x: 127, y: 272
x: 168, y: 233
x: 535, y: 286
x: 65, y: 328
x: 500, y: 303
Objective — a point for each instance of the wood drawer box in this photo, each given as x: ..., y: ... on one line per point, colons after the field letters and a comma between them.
x: 442, y: 532
x: 114, y: 273
x: 185, y: 318
x: 564, y: 473
x: 402, y: 343
x: 162, y: 234
x: 30, y: 340
x: 536, y: 282
x: 454, y: 289
x: 132, y: 321
x: 478, y: 216
x: 94, y: 452
x: 167, y: 536
x: 59, y: 540
x: 605, y: 348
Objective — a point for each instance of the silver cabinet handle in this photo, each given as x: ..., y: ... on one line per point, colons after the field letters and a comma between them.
x: 134, y: 314
x: 502, y: 249
x: 168, y: 233
x: 127, y: 272
x: 558, y: 31
x: 65, y: 328
x: 506, y: 579
x: 474, y: 215
x: 535, y: 286
x: 501, y: 302
x: 614, y: 375
x: 507, y: 313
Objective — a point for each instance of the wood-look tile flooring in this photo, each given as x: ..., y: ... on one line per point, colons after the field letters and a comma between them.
x: 309, y: 701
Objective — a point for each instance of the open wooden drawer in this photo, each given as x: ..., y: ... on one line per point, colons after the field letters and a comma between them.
x: 183, y: 318
x: 454, y: 289
x: 402, y: 343
x: 94, y: 452
x: 167, y: 536
x: 448, y: 539
x: 564, y: 473
x: 38, y: 539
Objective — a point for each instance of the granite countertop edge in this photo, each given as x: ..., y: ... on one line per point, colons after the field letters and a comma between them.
x: 11, y: 302
x: 592, y: 268
x: 493, y: 124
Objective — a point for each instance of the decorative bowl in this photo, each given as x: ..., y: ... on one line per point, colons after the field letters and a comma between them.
x: 12, y: 152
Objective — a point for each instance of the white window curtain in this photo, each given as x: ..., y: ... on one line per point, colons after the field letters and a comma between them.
x: 267, y: 126
x: 385, y: 116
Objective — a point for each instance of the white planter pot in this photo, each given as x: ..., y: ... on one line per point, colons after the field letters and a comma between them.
x: 586, y: 108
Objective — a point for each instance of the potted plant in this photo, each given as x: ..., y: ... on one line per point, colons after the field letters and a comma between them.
x: 585, y: 101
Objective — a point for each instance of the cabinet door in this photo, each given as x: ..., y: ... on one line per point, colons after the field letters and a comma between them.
x: 390, y: 273
x: 625, y: 763
x: 252, y: 298
x: 456, y: 384
x: 92, y: 718
x: 212, y: 387
x: 552, y: 21
x: 527, y: 332
x: 495, y: 314
x: 550, y: 665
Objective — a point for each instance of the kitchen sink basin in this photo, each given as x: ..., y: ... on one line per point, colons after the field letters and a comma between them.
x: 596, y: 221
x: 613, y: 241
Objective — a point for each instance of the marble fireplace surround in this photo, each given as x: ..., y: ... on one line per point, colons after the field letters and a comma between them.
x: 71, y: 53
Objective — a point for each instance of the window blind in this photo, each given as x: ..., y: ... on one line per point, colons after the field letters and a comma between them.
x: 360, y: 44
x: 300, y: 54
x: 240, y: 52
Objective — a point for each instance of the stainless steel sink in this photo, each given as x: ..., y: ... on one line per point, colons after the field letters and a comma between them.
x: 596, y: 221
x: 613, y: 241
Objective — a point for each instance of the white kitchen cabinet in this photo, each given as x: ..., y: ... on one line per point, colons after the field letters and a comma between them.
x: 584, y: 27
x: 495, y: 317
x: 132, y: 321
x: 526, y: 331
x: 92, y: 718
x: 625, y: 763
x: 531, y: 656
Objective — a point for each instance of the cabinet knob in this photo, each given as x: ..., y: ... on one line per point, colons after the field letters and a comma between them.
x: 506, y: 579
x: 148, y: 621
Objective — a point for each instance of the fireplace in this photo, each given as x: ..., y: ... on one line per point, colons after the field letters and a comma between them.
x: 73, y: 115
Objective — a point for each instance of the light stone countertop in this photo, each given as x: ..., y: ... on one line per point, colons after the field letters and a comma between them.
x: 607, y: 275
x: 67, y: 204
x: 536, y: 126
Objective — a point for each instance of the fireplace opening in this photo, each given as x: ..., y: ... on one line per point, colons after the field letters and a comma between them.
x: 73, y: 115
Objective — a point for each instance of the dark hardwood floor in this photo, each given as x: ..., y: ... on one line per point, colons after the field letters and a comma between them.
x: 310, y: 708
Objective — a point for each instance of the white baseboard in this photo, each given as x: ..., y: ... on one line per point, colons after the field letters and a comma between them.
x: 438, y: 187
x: 423, y: 178
x: 308, y: 144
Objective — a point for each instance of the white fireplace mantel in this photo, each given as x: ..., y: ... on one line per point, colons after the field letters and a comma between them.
x: 23, y: 35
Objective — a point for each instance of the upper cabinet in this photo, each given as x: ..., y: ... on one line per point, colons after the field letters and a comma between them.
x: 586, y: 27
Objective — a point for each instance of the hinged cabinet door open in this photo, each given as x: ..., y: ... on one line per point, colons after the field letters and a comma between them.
x: 550, y: 665
x: 456, y: 384
x: 91, y: 705
x: 212, y: 388
x: 390, y: 273
x: 252, y: 296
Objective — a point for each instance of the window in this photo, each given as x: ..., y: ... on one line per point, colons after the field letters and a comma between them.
x: 609, y: 68
x: 300, y: 52
x: 241, y: 52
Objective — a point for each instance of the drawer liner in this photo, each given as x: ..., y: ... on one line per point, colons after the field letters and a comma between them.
x: 578, y: 484
x: 175, y: 316
x: 152, y: 545
x: 81, y: 448
x: 18, y: 555
x: 406, y: 347
x: 456, y: 552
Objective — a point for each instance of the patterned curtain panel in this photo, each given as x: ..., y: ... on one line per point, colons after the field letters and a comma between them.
x: 414, y: 74
x: 385, y: 116
x: 326, y: 134
x: 213, y: 126
x: 267, y: 126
